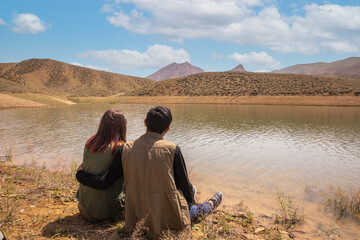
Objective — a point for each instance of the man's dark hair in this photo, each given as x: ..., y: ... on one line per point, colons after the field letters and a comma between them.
x: 158, y: 119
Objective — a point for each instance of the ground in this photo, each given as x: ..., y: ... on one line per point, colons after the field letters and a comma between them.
x: 41, y: 204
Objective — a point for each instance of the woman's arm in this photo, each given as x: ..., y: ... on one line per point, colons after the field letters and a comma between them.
x: 107, y: 179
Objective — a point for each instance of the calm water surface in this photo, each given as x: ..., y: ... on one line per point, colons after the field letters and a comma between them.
x: 245, y: 151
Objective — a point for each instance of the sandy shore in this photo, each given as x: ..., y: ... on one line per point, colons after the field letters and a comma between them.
x: 29, y: 100
x: 42, y: 100
x: 248, y: 100
x: 240, y: 100
x: 7, y: 101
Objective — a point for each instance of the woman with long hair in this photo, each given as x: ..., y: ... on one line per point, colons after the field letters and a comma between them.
x: 96, y: 205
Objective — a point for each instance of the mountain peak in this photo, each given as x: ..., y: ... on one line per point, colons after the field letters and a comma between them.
x: 238, y: 68
x: 175, y: 70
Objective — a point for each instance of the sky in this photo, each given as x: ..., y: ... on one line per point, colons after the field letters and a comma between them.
x: 138, y: 37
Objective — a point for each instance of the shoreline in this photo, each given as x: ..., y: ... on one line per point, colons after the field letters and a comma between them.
x: 249, y: 100
x: 29, y: 100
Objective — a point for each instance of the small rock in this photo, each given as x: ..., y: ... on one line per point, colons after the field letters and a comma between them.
x: 250, y: 236
x: 259, y: 230
x: 265, y: 216
x: 239, y: 215
x: 298, y: 230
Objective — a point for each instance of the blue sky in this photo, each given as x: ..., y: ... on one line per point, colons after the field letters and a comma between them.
x: 138, y: 37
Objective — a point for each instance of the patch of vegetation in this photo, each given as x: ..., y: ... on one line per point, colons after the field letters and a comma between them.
x: 9, y: 204
x: 289, y: 213
x: 9, y: 153
x: 343, y: 202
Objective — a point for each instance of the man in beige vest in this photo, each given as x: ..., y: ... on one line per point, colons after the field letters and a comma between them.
x: 157, y: 187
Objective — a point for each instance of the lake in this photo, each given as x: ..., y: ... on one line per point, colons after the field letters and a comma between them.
x: 247, y: 152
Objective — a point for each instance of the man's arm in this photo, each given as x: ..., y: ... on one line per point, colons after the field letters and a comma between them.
x: 107, y: 179
x: 181, y: 177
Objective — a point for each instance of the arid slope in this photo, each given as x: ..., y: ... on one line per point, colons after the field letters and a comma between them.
x: 54, y: 77
x: 348, y: 68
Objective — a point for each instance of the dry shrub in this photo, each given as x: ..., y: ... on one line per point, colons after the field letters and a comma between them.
x: 344, y: 203
x: 289, y: 213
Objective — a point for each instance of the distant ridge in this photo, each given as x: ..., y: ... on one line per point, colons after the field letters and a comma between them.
x: 238, y: 68
x: 54, y: 77
x: 348, y: 68
x: 253, y: 84
x: 175, y: 70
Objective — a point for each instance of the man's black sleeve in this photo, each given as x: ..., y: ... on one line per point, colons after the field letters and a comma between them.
x: 107, y: 179
x: 181, y: 177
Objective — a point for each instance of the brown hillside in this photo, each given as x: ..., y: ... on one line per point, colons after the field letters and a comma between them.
x: 348, y: 68
x: 54, y: 77
x: 175, y: 70
x: 252, y: 84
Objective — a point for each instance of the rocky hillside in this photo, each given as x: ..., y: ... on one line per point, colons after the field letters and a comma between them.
x: 54, y: 77
x: 175, y: 70
x: 238, y: 68
x: 348, y: 68
x: 251, y: 84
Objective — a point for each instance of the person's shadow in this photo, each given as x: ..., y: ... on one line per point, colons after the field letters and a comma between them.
x: 76, y: 227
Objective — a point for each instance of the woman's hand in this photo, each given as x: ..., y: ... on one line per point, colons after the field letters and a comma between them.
x: 80, y: 168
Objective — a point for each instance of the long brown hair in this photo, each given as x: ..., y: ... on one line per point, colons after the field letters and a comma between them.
x: 111, y: 131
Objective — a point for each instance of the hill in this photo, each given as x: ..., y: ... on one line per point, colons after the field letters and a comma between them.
x: 252, y: 84
x: 238, y: 68
x: 348, y: 68
x: 54, y: 77
x: 175, y: 70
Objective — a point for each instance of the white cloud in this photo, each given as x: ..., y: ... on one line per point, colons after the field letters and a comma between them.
x: 333, y: 18
x: 216, y: 56
x: 91, y: 66
x: 246, y: 22
x: 2, y: 22
x: 261, y: 59
x: 135, y: 21
x: 155, y: 56
x: 107, y: 8
x: 28, y: 23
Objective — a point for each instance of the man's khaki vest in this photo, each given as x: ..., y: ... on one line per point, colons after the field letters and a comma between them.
x: 150, y: 190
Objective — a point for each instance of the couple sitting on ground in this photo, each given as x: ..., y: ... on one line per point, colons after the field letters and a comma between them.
x: 149, y: 173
